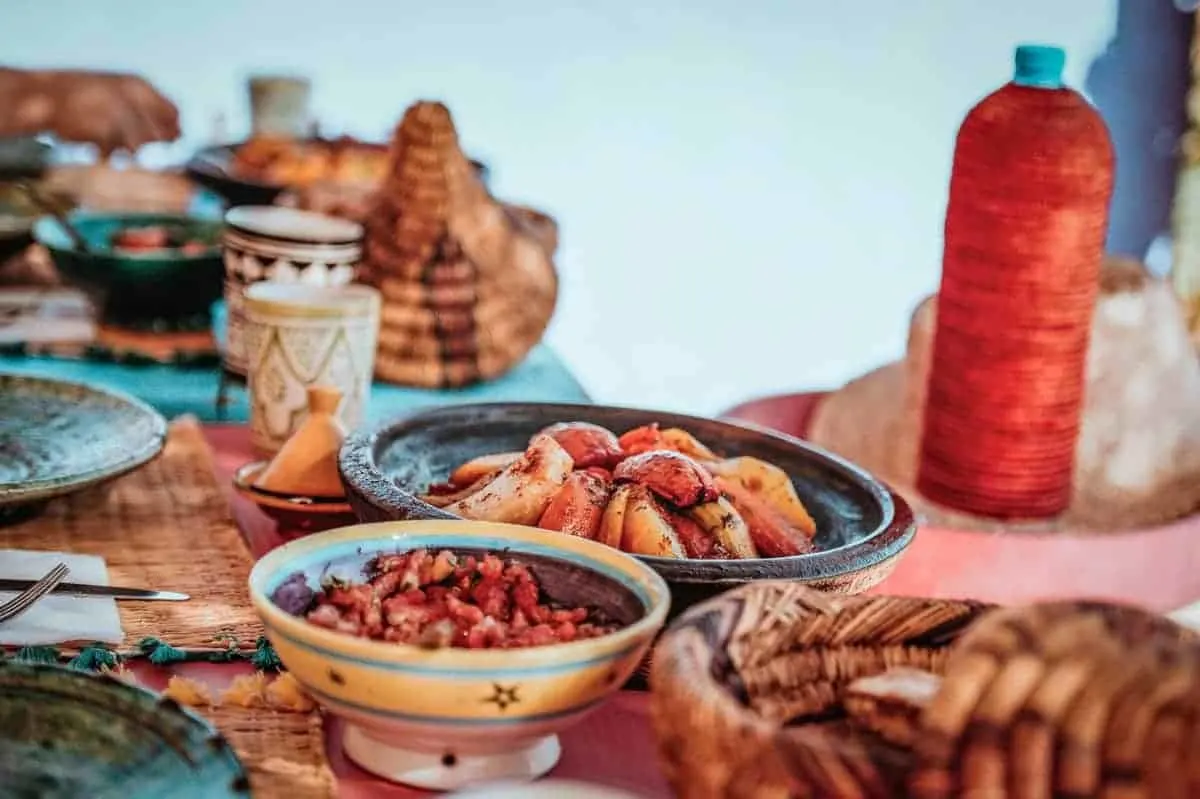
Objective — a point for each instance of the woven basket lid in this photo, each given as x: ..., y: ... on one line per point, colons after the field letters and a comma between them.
x: 732, y: 672
x: 1069, y: 698
x: 469, y: 283
x: 1063, y: 699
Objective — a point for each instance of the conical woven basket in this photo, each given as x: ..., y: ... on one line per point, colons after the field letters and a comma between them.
x: 753, y: 697
x: 468, y: 283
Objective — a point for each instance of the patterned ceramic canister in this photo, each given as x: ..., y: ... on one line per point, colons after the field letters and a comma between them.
x: 281, y: 245
x: 300, y: 336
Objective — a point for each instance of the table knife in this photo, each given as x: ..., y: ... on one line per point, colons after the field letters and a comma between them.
x: 113, y: 591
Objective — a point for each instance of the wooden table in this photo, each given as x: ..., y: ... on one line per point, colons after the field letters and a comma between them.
x: 612, y: 747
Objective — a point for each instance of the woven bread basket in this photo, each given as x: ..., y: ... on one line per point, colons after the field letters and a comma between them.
x: 758, y: 694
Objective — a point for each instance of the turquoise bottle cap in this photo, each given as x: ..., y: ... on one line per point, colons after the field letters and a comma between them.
x: 1040, y: 66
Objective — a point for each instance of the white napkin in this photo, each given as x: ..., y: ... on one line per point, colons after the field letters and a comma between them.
x: 57, y: 619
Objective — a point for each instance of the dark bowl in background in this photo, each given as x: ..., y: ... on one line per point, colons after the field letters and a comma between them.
x: 863, y: 527
x: 135, y: 289
x: 211, y: 167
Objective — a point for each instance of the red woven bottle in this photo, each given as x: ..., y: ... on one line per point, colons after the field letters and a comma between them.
x: 1025, y: 227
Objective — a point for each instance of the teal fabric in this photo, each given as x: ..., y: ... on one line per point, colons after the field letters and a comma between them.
x: 177, y: 390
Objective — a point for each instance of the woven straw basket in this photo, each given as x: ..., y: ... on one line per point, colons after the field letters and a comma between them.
x: 755, y: 696
x: 468, y: 282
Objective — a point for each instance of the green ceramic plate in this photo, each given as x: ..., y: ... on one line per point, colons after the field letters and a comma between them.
x: 58, y: 437
x: 70, y: 734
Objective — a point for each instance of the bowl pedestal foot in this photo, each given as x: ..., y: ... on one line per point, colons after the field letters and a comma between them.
x: 449, y: 770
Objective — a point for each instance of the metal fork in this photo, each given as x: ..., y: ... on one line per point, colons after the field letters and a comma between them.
x: 25, y: 600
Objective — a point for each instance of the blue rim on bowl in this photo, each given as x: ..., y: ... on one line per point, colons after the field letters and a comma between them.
x: 277, y: 566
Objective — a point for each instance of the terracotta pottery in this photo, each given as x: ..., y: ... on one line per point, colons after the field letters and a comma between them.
x: 307, y: 463
x: 294, y: 514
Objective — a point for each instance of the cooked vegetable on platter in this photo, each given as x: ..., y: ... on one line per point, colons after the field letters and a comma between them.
x: 649, y: 491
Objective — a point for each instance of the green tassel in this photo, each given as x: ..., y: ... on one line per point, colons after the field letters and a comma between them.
x: 161, y: 653
x: 37, y: 654
x: 264, y: 657
x: 93, y: 658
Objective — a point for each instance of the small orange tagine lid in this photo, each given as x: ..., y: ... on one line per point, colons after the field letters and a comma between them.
x: 307, y: 463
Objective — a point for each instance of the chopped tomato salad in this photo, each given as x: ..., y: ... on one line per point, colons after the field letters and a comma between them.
x: 443, y: 600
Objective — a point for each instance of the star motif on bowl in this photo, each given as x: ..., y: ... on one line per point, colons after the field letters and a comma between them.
x: 503, y: 697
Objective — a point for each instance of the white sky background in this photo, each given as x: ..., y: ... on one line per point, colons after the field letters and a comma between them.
x: 751, y: 194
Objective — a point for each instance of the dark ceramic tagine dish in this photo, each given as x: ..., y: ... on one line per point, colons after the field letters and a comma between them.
x: 863, y: 527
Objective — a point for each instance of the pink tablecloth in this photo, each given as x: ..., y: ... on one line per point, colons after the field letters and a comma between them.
x: 612, y: 747
x: 1157, y: 568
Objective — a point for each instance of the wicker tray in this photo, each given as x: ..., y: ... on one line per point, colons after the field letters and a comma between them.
x: 166, y: 525
x: 1065, y: 699
x: 284, y: 753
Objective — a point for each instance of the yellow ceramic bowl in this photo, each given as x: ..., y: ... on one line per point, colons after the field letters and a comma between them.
x: 448, y: 718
